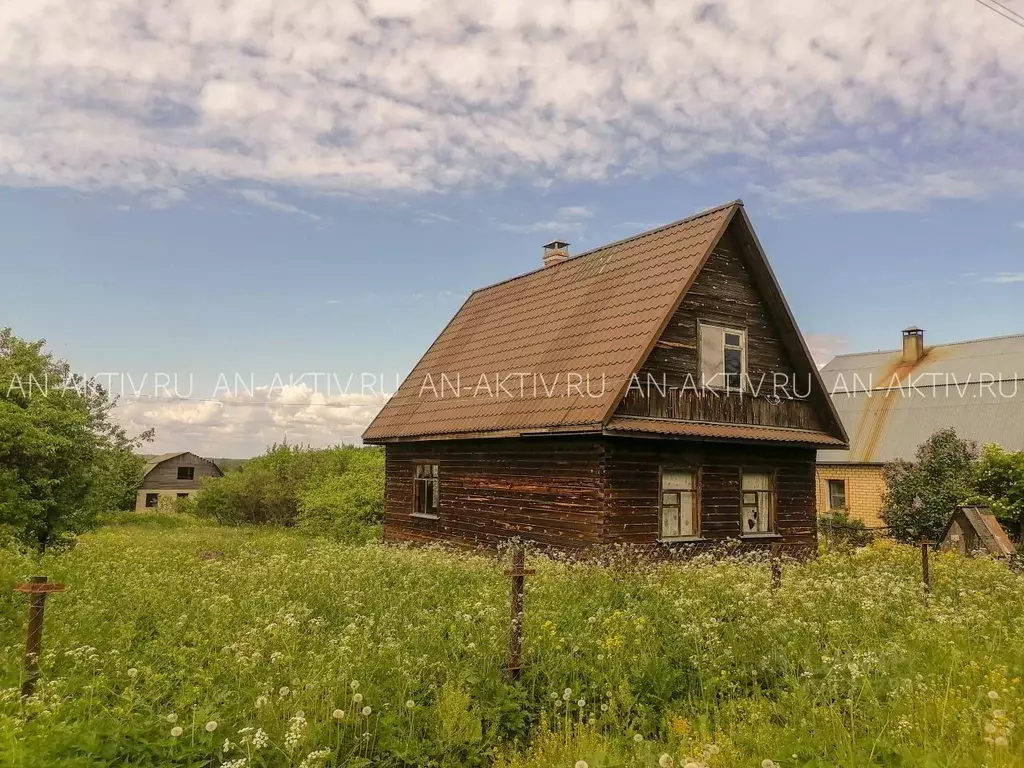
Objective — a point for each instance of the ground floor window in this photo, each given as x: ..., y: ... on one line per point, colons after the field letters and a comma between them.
x: 837, y: 494
x: 426, y: 490
x: 757, y: 514
x: 679, y: 505
x: 152, y: 499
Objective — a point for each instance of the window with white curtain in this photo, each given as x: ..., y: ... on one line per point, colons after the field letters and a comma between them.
x: 679, y: 505
x: 757, y: 506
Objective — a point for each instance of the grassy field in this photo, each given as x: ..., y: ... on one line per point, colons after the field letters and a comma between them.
x: 285, y: 650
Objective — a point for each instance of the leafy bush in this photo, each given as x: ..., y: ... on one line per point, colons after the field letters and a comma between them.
x: 998, y: 481
x: 920, y: 496
x: 334, y: 491
x: 840, y: 531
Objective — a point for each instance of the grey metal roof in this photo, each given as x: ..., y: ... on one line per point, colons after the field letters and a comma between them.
x: 889, y: 407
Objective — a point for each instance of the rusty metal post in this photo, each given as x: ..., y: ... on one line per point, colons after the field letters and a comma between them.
x: 518, y: 574
x: 926, y: 578
x: 37, y: 588
x: 776, y: 566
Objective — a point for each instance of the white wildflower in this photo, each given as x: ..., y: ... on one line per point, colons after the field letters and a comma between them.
x: 993, y: 695
x: 133, y: 672
x: 410, y: 704
x: 172, y: 718
x: 638, y: 737
x: 260, y: 739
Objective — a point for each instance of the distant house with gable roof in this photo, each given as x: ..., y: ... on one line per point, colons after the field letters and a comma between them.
x: 892, y: 401
x: 176, y: 475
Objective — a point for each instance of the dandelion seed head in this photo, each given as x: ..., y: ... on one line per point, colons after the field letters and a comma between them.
x: 366, y: 711
x: 176, y: 731
x: 338, y: 714
x: 211, y: 726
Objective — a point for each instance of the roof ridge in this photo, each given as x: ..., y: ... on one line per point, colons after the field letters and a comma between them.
x: 614, y: 243
x: 930, y: 346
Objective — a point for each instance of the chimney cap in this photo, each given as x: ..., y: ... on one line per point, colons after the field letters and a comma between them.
x: 555, y: 245
x: 912, y: 329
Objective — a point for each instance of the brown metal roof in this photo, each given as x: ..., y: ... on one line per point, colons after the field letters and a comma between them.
x: 594, y: 315
x: 721, y: 431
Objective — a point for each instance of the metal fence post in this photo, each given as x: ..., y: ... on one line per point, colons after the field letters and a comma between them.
x: 518, y: 574
x: 37, y: 588
x: 926, y: 578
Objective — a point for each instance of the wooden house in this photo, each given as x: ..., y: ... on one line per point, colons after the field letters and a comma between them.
x: 974, y: 529
x: 173, y: 474
x: 656, y: 389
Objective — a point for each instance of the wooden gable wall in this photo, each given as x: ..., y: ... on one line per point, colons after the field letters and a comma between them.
x: 164, y: 476
x: 724, y: 293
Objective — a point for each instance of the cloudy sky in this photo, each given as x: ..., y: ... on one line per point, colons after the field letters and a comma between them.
x: 255, y: 189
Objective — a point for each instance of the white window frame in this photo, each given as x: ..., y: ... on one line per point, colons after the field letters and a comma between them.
x: 828, y: 490
x: 763, y: 500
x: 718, y: 378
x: 424, y: 473
x: 693, y: 492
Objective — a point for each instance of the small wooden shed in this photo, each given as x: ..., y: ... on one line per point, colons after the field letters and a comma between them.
x: 975, y: 529
x: 173, y: 474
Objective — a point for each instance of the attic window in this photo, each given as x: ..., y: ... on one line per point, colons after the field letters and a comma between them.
x: 186, y: 473
x: 723, y: 357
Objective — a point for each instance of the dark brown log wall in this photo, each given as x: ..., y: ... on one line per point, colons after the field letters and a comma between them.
x: 547, y: 490
x: 571, y: 492
x: 633, y: 477
x: 724, y: 293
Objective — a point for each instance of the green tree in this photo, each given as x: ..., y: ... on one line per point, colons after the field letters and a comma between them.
x: 334, y: 491
x: 921, y: 495
x: 998, y: 481
x: 63, y: 459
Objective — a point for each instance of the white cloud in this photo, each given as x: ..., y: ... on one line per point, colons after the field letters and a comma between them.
x: 871, y: 104
x: 566, y: 220
x: 242, y: 423
x: 267, y: 199
x: 433, y: 218
x: 1006, y: 277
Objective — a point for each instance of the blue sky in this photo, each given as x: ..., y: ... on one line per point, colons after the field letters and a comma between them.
x: 196, y: 191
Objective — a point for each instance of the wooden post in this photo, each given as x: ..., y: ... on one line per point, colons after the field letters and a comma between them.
x: 518, y: 574
x: 926, y: 578
x: 776, y: 566
x: 37, y: 588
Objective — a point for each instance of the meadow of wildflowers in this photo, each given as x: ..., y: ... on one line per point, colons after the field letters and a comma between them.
x: 190, y: 644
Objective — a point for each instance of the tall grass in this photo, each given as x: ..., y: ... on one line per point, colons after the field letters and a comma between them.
x: 279, y: 649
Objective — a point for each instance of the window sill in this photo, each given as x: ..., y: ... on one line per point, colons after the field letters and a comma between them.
x: 760, y: 535
x: 421, y: 516
x: 681, y: 539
